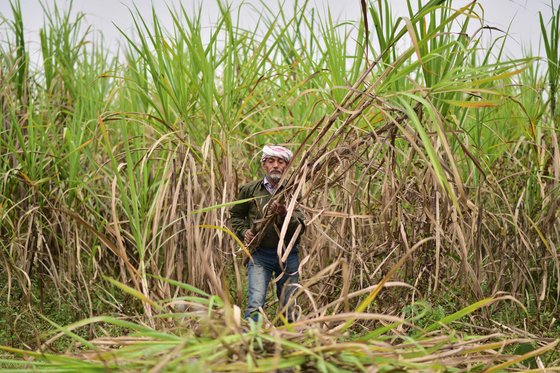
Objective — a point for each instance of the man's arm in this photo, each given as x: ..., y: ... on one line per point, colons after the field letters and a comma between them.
x: 238, y: 215
x: 298, y: 218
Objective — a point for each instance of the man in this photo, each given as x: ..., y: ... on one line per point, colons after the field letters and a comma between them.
x: 265, y: 261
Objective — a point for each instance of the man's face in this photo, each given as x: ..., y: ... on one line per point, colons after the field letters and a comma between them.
x: 274, y: 168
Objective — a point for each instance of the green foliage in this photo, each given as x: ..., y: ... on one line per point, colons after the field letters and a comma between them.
x: 223, y: 342
x: 424, y: 160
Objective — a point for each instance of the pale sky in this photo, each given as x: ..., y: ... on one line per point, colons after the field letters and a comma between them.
x: 521, y: 16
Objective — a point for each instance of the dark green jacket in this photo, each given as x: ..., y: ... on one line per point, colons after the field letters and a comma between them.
x: 244, y: 214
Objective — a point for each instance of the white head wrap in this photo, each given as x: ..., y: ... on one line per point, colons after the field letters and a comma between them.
x: 276, y: 151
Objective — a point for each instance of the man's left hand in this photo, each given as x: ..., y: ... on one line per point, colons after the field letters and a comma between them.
x: 278, y: 208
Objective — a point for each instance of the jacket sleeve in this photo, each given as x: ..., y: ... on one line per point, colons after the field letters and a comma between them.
x: 239, y: 215
x: 298, y: 218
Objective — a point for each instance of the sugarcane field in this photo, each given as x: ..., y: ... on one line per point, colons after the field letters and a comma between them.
x: 271, y: 186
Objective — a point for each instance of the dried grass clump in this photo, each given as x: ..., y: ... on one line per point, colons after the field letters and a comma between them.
x: 210, y: 336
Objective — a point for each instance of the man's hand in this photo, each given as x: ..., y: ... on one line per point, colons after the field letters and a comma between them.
x: 278, y: 208
x: 248, y: 237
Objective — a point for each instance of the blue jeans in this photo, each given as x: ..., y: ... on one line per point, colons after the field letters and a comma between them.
x: 265, y: 263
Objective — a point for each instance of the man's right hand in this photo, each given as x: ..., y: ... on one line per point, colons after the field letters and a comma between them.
x: 248, y: 237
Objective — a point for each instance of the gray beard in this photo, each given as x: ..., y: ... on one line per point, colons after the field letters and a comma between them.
x: 275, y: 178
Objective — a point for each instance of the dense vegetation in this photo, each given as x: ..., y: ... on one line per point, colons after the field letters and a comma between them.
x: 427, y: 163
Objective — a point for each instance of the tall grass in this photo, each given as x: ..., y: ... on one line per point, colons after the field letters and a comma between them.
x: 419, y: 160
x: 208, y: 338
